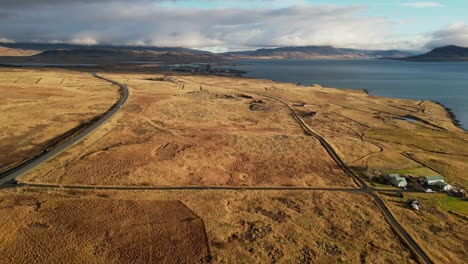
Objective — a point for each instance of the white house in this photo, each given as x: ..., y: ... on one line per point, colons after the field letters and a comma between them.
x: 443, y: 186
x: 397, y: 180
x: 431, y: 180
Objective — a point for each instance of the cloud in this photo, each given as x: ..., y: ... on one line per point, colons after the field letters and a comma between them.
x: 84, y: 40
x: 455, y: 34
x: 43, y: 3
x: 5, y: 40
x: 422, y: 4
x: 145, y: 23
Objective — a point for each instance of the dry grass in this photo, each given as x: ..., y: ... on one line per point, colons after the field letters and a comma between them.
x: 242, y: 227
x: 39, y: 105
x: 202, y: 130
x: 172, y: 133
x: 57, y: 229
x: 205, y: 130
x: 369, y: 132
x: 443, y: 236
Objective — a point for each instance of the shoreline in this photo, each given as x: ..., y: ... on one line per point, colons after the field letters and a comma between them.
x: 457, y: 123
x: 448, y: 110
x: 451, y: 115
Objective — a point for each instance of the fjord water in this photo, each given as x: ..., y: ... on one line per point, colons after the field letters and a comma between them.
x: 443, y: 82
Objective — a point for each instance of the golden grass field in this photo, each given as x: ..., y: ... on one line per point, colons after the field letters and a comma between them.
x: 171, y: 134
x: 39, y: 105
x: 439, y: 232
x: 195, y: 130
x: 242, y: 227
x: 62, y: 229
x: 201, y: 130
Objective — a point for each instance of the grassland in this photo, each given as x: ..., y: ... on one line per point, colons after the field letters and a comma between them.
x: 176, y: 133
x: 62, y: 229
x: 199, y: 130
x: 440, y: 233
x: 242, y: 227
x: 195, y: 130
x: 40, y: 105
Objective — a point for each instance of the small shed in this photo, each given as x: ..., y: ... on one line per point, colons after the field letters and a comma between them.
x: 397, y: 180
x: 431, y: 180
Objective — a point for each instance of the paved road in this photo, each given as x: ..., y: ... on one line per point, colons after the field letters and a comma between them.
x: 6, y: 178
x: 401, y: 232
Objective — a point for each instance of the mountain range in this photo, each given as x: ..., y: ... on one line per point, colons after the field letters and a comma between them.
x: 447, y: 53
x: 55, y: 53
x: 65, y: 46
x: 310, y: 52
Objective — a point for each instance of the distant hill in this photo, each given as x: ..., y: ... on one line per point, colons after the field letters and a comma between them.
x: 311, y: 52
x: 447, y: 53
x: 64, y: 46
x: 113, y: 55
x: 107, y: 54
x: 4, y: 51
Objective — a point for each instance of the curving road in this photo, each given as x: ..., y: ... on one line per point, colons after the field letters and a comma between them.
x: 400, y: 231
x: 8, y: 177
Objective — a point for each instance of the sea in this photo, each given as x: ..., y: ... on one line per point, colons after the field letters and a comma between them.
x: 443, y: 82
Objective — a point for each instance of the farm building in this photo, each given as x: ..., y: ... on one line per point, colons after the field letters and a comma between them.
x: 431, y: 180
x: 443, y: 186
x: 397, y: 180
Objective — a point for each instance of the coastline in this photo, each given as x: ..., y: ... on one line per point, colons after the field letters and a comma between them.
x: 451, y: 115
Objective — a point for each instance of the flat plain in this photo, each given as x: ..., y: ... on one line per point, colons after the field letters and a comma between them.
x: 182, y: 130
x: 241, y: 227
x: 440, y: 225
x: 61, y: 229
x: 38, y: 106
x: 207, y: 130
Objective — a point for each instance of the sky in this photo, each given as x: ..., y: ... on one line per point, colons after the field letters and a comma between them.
x: 231, y: 25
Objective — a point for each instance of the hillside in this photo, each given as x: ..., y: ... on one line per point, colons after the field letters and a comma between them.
x: 447, y: 53
x: 65, y: 46
x: 311, y: 52
x: 103, y: 54
x: 113, y: 55
x: 4, y: 51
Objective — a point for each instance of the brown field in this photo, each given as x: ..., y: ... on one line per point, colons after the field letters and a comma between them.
x: 39, y: 105
x: 51, y: 229
x: 202, y: 130
x: 443, y: 235
x: 242, y: 227
x: 368, y: 132
x: 185, y: 130
x: 181, y: 134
